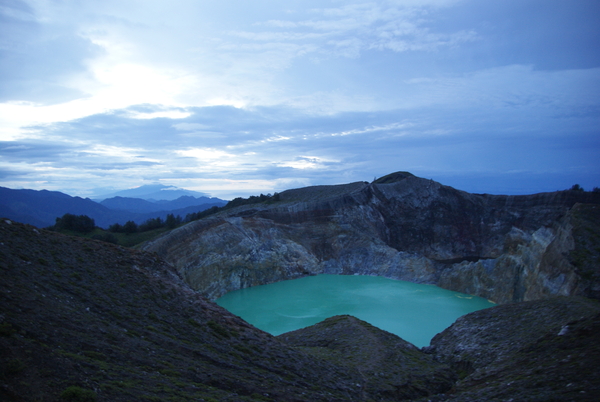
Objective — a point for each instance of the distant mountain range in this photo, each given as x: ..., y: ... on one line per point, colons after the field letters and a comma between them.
x: 41, y: 208
x: 139, y: 205
x: 153, y: 192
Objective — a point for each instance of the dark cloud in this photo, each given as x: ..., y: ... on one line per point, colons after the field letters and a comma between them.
x: 13, y: 174
x: 33, y: 151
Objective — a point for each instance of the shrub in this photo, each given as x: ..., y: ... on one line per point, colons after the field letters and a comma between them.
x: 6, y: 329
x: 78, y: 394
x: 116, y: 228
x: 130, y: 227
x: 217, y: 328
x: 14, y: 366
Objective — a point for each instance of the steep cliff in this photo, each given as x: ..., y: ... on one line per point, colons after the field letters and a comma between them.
x: 505, y: 248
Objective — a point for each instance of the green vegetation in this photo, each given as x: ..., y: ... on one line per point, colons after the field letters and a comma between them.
x: 12, y: 367
x: 131, y: 234
x: 218, y: 329
x: 77, y: 223
x: 78, y: 394
x: 122, y: 239
x: 6, y: 329
x: 94, y: 355
x: 253, y: 199
x: 577, y: 187
x: 236, y: 202
x: 130, y: 227
x: 169, y: 372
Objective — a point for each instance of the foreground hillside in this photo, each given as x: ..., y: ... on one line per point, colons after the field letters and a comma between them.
x: 82, y: 320
x: 122, y: 325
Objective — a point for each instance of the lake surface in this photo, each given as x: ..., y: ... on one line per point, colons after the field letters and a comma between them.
x: 412, y: 311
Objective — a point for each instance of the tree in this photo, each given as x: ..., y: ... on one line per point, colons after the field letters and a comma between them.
x: 77, y: 223
x: 172, y: 221
x: 153, y: 223
x: 115, y: 228
x: 576, y: 187
x: 130, y: 227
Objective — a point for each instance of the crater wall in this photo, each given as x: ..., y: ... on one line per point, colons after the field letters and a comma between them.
x: 504, y: 248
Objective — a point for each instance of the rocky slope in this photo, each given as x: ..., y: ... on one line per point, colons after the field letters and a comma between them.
x: 545, y: 350
x: 504, y: 248
x: 82, y: 320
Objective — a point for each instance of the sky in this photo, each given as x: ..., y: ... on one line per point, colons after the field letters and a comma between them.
x: 235, y: 98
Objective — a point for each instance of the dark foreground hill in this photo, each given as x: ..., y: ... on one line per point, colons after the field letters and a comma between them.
x: 82, y: 320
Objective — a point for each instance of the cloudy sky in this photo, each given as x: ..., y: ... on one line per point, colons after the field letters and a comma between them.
x: 234, y: 98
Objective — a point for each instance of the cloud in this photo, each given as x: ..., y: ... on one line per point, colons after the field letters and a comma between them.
x: 306, y: 162
x: 282, y: 145
x: 36, y: 151
x: 207, y: 155
x: 122, y: 166
x: 268, y: 149
x: 351, y: 29
x: 90, y: 58
x: 214, y: 97
x: 38, y: 61
x: 13, y: 174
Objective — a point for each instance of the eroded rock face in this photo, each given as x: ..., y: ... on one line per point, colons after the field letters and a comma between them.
x: 505, y: 248
x: 538, y: 264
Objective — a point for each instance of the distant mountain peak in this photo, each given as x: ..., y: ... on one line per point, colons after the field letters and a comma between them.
x: 153, y: 192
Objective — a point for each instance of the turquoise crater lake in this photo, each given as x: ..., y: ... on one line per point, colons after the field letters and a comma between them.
x: 414, y: 312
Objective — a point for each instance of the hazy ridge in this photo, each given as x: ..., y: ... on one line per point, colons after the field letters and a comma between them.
x: 41, y: 208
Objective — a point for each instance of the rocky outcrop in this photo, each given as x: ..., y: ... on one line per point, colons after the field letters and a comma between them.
x: 538, y: 263
x: 542, y: 350
x: 504, y: 248
x: 388, y: 367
